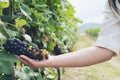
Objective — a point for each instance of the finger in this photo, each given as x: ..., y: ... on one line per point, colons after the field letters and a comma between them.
x: 28, y: 61
x: 23, y: 61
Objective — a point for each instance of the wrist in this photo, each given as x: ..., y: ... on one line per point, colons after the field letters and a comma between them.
x: 49, y: 62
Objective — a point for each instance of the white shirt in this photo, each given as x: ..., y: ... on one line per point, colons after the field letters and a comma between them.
x: 109, y: 36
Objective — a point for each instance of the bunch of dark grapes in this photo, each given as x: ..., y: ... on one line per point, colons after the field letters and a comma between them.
x: 57, y: 50
x: 17, y: 47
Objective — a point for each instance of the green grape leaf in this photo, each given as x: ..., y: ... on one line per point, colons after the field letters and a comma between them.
x: 26, y: 11
x: 0, y: 68
x: 3, y: 29
x: 14, y: 33
x: 1, y: 10
x: 0, y: 63
x: 8, y: 77
x: 51, y: 27
x: 4, y: 4
x: 37, y: 14
x: 19, y: 23
x: 4, y: 56
x: 50, y: 45
x: 53, y: 36
x: 2, y: 38
x: 7, y: 30
x: 7, y: 67
x: 52, y: 73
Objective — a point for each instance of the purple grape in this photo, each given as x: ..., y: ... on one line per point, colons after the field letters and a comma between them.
x: 17, y: 47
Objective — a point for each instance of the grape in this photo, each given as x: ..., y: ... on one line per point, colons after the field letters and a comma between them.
x: 57, y: 50
x: 17, y: 47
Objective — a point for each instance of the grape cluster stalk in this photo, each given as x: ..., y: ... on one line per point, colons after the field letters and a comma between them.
x: 17, y: 47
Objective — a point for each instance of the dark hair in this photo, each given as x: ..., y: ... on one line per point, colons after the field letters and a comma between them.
x: 112, y: 4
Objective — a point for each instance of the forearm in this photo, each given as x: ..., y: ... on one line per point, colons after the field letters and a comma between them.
x: 80, y: 58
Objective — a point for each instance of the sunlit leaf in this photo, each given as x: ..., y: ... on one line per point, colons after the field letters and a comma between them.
x: 20, y: 23
x: 50, y: 45
x: 1, y: 10
x: 4, y: 4
x: 53, y: 36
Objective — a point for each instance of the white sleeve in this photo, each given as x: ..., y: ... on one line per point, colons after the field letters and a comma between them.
x: 109, y: 36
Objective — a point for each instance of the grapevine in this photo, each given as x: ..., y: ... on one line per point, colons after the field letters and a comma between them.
x: 44, y: 25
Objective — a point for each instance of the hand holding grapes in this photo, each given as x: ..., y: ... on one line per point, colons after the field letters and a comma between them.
x: 35, y: 63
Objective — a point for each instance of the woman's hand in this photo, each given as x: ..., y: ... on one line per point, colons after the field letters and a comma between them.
x: 35, y: 63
